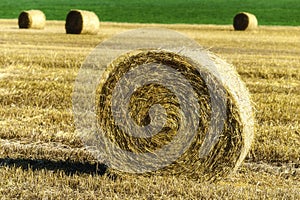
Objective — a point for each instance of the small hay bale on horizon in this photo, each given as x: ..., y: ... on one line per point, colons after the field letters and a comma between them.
x: 32, y: 19
x: 82, y: 22
x: 244, y: 21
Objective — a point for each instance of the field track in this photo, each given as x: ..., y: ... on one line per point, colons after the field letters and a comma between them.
x: 37, y: 73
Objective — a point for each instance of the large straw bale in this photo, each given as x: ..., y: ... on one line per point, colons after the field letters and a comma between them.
x: 219, y: 158
x: 34, y: 19
x: 151, y: 101
x: 244, y: 21
x: 82, y: 22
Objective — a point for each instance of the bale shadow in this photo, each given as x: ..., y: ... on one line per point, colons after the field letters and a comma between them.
x: 69, y: 167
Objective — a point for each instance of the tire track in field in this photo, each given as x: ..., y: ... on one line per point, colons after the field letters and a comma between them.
x: 54, y: 155
x: 50, y: 156
x: 42, y: 150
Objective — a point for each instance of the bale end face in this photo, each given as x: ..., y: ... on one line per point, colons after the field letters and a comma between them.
x: 24, y: 20
x: 82, y: 22
x: 244, y: 21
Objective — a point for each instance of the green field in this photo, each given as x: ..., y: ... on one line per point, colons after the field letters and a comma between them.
x: 276, y: 12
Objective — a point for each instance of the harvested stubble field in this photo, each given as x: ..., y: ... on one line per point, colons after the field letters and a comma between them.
x: 40, y: 157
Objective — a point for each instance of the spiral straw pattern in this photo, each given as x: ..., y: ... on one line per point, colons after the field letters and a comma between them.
x: 160, y: 111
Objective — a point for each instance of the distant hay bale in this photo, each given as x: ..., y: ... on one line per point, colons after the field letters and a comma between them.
x: 82, y: 22
x: 220, y: 159
x: 244, y: 21
x: 32, y: 19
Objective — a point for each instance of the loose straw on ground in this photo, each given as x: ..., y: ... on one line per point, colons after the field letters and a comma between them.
x: 82, y: 22
x: 244, y: 21
x: 32, y: 19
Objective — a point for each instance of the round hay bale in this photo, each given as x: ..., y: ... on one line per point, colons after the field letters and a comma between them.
x: 144, y: 104
x: 34, y: 19
x: 221, y: 153
x: 82, y: 22
x: 244, y: 21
